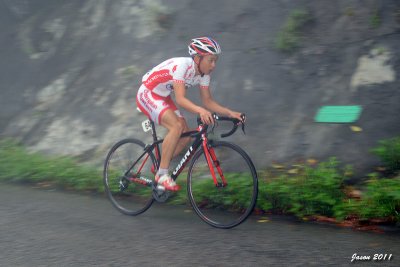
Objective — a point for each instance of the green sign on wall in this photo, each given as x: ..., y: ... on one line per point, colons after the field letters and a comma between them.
x: 338, y: 114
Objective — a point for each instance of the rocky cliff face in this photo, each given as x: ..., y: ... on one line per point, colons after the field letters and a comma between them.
x: 70, y: 71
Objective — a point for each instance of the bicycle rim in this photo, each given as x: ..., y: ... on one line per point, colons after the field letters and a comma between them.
x: 123, y: 187
x: 223, y: 206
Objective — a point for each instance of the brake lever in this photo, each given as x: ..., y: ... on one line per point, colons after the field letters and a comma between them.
x: 214, y: 125
x: 243, y: 116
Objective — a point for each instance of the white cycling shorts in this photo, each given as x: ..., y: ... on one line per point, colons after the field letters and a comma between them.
x: 154, y: 105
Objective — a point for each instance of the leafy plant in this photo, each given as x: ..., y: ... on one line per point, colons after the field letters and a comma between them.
x: 312, y: 191
x: 375, y: 19
x: 381, y: 199
x: 289, y: 37
x: 389, y: 152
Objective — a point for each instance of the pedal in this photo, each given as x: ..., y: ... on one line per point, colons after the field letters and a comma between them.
x: 146, y: 125
x: 160, y: 188
x: 160, y: 194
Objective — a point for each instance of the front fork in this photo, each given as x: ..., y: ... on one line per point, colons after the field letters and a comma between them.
x: 213, y: 161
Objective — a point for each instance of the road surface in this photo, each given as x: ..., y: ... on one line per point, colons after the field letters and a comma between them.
x: 50, y: 228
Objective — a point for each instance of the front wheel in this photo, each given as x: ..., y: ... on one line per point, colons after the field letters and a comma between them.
x: 229, y: 202
x: 128, y: 176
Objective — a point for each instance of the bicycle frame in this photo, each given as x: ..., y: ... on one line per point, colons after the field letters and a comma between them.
x: 201, y: 140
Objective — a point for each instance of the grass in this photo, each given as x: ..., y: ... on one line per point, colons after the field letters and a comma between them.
x: 382, y: 199
x: 290, y: 36
x: 17, y: 164
x: 312, y: 190
x: 389, y: 153
x: 236, y: 194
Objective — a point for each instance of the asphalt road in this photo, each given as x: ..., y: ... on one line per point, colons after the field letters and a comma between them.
x: 50, y: 228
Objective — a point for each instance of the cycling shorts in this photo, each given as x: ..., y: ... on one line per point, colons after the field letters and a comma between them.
x: 154, y: 105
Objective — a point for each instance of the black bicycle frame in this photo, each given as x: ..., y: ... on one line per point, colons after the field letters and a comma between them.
x: 198, y: 134
x: 200, y: 139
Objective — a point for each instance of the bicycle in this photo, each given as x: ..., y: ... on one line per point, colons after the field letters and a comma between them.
x: 222, y: 183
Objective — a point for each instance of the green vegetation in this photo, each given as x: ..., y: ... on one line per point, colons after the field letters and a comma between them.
x: 236, y: 194
x: 381, y: 199
x: 19, y: 165
x: 375, y: 19
x: 310, y: 189
x: 389, y: 153
x: 289, y: 37
x: 380, y: 50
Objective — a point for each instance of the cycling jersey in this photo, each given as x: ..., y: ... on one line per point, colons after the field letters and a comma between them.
x: 160, y: 79
x: 153, y: 97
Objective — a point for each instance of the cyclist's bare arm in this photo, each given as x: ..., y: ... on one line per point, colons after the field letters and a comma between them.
x: 212, y: 105
x: 181, y: 100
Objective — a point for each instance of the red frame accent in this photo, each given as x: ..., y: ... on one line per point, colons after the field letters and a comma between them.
x: 217, y: 165
x: 144, y: 162
x: 137, y: 180
x: 212, y: 158
x: 158, y: 156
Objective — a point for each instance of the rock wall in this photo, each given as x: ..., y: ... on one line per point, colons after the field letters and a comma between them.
x: 70, y: 70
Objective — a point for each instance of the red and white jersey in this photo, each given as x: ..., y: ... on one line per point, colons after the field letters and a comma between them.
x: 160, y: 79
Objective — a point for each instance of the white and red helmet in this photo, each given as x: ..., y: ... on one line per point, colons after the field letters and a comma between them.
x: 204, y: 46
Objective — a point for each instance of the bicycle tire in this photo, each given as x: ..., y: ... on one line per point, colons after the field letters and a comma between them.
x: 128, y: 197
x: 229, y: 206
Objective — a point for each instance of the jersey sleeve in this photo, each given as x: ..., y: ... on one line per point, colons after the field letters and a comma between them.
x: 205, y: 82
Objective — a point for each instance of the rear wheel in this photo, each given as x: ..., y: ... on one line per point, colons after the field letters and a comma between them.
x: 230, y: 202
x: 128, y: 176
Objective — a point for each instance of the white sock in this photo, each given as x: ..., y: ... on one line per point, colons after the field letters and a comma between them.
x: 161, y: 172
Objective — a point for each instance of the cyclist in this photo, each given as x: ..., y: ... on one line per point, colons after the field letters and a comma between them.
x: 177, y: 75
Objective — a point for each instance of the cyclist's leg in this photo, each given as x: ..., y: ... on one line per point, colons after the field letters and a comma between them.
x: 170, y: 120
x: 183, y: 141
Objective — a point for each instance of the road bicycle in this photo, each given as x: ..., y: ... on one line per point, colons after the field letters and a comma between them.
x: 222, y: 183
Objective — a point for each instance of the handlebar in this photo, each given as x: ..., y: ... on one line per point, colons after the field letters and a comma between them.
x: 235, y: 122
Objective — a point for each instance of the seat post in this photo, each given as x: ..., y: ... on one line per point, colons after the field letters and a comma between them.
x: 152, y: 125
x: 153, y: 130
x: 155, y: 139
x: 154, y: 135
